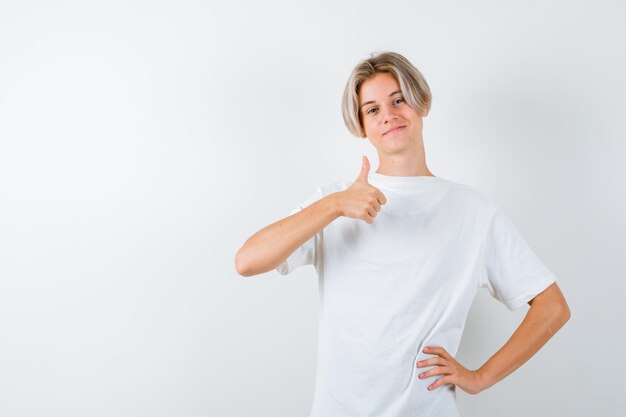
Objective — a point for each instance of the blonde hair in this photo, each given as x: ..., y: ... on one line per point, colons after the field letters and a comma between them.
x: 412, y: 84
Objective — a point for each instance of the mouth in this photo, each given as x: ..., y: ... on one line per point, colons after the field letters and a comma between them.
x: 394, y: 130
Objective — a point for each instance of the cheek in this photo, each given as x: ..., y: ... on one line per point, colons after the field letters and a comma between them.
x: 369, y: 125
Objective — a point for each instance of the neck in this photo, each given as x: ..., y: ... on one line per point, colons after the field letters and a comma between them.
x: 408, y: 165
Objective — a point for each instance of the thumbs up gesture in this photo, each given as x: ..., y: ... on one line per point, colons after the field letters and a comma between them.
x: 361, y: 200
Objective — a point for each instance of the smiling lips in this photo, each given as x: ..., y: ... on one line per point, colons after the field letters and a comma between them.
x: 394, y: 129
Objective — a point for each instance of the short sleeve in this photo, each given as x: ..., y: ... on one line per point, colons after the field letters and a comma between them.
x: 309, y: 252
x: 514, y: 273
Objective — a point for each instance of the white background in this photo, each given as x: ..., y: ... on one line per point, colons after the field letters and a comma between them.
x: 141, y: 143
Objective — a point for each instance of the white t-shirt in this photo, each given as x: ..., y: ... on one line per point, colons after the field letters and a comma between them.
x: 406, y: 281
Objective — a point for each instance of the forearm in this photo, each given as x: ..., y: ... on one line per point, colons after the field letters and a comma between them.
x: 270, y: 246
x: 541, y: 322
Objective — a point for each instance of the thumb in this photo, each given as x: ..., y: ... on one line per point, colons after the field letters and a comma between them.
x: 365, y: 169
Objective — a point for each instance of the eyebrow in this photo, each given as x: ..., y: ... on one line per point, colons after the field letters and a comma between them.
x: 368, y: 102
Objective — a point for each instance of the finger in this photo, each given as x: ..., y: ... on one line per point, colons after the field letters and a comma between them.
x: 439, y: 382
x: 381, y: 197
x: 440, y: 370
x: 448, y: 379
x: 365, y: 169
x: 435, y: 350
x: 435, y: 360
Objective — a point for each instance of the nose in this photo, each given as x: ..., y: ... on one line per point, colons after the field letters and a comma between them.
x: 388, y: 113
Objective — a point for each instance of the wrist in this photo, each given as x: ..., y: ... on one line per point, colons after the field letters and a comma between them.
x: 334, y: 204
x: 484, y: 379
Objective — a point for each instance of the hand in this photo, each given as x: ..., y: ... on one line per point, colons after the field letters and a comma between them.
x: 361, y: 200
x: 471, y: 382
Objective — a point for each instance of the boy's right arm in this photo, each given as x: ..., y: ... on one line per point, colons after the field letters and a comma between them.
x: 270, y: 246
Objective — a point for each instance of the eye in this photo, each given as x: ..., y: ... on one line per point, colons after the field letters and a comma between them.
x: 398, y: 100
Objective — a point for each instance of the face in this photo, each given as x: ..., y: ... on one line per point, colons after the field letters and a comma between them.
x: 384, y: 108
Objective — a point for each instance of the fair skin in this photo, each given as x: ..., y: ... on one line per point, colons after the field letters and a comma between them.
x: 270, y: 246
x: 383, y: 107
x: 401, y: 153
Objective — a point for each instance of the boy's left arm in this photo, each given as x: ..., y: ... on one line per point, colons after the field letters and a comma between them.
x: 548, y: 312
